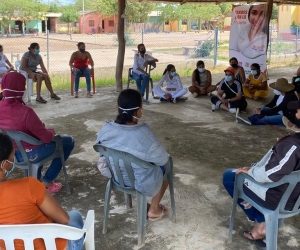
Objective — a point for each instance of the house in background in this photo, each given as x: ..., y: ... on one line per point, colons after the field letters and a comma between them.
x: 93, y: 22
x: 51, y: 22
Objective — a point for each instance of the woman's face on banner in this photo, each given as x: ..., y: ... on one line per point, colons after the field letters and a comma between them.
x: 257, y: 16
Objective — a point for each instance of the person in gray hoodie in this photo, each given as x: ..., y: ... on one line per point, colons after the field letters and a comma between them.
x: 127, y: 135
x: 282, y: 159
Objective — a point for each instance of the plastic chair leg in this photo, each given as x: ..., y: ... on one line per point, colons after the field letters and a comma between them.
x: 142, y: 218
x: 106, y: 205
x: 128, y: 201
x: 171, y: 188
x: 234, y: 203
x: 94, y: 86
x: 271, y: 231
x: 72, y: 84
x: 150, y: 80
x: 66, y: 179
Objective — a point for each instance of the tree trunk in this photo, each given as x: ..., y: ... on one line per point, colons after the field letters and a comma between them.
x: 121, y: 49
x: 270, y: 9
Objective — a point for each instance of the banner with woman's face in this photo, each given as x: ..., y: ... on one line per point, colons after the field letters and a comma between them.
x: 248, y: 35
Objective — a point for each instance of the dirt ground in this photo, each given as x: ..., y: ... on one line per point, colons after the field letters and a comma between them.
x: 203, y: 144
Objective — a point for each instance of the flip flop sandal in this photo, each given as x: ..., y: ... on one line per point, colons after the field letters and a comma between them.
x: 41, y: 100
x: 55, y: 97
x: 163, y: 213
x: 259, y: 243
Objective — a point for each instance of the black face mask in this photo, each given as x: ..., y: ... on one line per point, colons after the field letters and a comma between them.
x: 82, y: 50
x: 233, y: 65
x: 143, y: 51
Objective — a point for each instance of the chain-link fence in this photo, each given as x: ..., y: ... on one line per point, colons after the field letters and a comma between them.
x: 182, y: 49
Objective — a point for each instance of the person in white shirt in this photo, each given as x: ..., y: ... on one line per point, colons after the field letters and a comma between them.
x: 5, y: 65
x: 139, y: 70
x: 174, y: 87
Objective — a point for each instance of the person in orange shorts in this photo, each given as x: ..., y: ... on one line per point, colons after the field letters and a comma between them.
x: 256, y: 86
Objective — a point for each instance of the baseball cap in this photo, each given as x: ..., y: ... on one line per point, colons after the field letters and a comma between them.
x: 230, y: 69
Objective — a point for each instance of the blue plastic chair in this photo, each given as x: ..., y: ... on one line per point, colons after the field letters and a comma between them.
x: 116, y: 156
x: 271, y: 217
x: 31, y: 169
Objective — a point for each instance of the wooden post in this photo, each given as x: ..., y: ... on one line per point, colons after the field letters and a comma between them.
x: 121, y: 49
x: 270, y: 9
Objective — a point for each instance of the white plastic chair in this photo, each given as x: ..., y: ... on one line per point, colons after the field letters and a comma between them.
x: 29, y: 82
x: 29, y: 168
x: 48, y: 232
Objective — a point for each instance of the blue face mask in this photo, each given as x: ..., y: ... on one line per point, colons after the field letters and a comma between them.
x: 13, y: 167
x: 228, y: 78
x: 36, y: 51
x: 173, y: 74
x: 201, y: 70
x: 253, y: 72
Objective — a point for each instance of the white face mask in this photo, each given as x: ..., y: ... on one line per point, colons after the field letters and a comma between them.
x: 1, y: 53
x: 201, y: 70
x: 277, y: 92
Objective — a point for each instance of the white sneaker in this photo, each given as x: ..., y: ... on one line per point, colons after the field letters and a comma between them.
x: 174, y: 100
x: 195, y: 94
x: 232, y: 111
x: 213, y: 107
x: 144, y: 100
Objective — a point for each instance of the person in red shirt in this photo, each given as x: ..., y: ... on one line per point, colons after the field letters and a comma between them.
x: 33, y: 205
x: 15, y: 115
x: 79, y: 62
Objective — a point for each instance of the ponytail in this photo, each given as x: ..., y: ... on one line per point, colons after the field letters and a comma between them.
x: 168, y: 68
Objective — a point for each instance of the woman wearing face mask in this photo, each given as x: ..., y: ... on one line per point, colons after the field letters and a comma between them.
x: 79, y: 62
x: 127, y: 135
x: 4, y: 62
x: 273, y: 112
x: 174, y: 87
x: 232, y: 89
x: 239, y: 70
x: 201, y: 81
x: 17, y: 116
x: 26, y: 201
x: 30, y: 60
x: 255, y: 86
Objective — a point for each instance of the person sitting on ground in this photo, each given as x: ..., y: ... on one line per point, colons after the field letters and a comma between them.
x: 273, y: 112
x: 233, y: 94
x: 79, y: 63
x: 256, y: 86
x: 5, y: 65
x: 127, y: 135
x: 296, y: 81
x: 239, y: 70
x: 174, y: 87
x: 139, y: 70
x: 30, y: 60
x: 26, y: 201
x: 201, y: 81
x: 15, y: 115
x: 282, y: 159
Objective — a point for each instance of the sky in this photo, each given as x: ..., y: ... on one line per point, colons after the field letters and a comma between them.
x: 63, y: 2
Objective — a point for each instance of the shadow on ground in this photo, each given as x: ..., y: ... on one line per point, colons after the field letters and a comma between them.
x: 203, y: 144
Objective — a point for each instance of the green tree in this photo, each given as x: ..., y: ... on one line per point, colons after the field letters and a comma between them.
x: 69, y: 15
x: 138, y: 12
x: 274, y: 12
x: 170, y: 13
x: 226, y: 8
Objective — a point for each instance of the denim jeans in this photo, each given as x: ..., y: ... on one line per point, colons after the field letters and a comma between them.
x: 141, y: 81
x: 45, y: 150
x: 75, y: 221
x: 228, y: 182
x: 82, y: 72
x: 275, y: 119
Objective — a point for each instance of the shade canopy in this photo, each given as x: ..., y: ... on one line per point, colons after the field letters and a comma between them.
x: 279, y: 2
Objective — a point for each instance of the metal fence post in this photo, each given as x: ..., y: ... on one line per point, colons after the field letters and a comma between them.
x: 216, y: 46
x: 297, y: 37
x: 270, y: 41
x: 48, y: 56
x: 142, y: 35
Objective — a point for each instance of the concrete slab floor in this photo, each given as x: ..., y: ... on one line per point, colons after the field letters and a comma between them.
x: 203, y: 144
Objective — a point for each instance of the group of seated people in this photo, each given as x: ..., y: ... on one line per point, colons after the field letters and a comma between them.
x: 81, y: 64
x: 35, y: 204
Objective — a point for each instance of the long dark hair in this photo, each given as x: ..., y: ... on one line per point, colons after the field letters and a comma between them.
x: 32, y: 46
x: 264, y: 28
x: 200, y: 62
x: 168, y: 68
x: 129, y: 101
x: 6, y: 147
